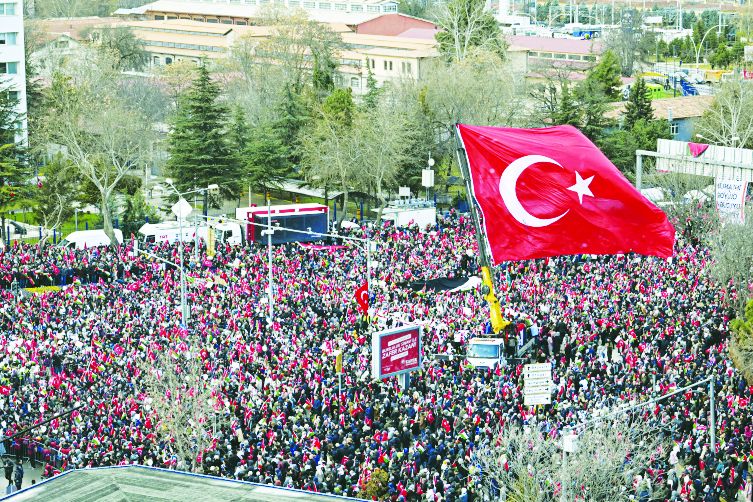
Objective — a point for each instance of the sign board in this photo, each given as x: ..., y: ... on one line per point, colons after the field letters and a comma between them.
x: 537, y: 384
x: 748, y: 53
x: 395, y: 351
x: 730, y: 200
x: 403, y: 191
x: 181, y: 209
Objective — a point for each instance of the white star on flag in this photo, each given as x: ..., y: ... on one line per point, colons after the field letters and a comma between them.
x: 581, y: 186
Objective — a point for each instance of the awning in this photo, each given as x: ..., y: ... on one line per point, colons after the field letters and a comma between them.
x: 300, y: 188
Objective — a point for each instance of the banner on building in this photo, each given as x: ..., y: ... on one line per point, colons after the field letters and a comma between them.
x: 730, y: 200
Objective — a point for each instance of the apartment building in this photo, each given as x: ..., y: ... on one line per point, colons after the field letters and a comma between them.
x: 12, y: 63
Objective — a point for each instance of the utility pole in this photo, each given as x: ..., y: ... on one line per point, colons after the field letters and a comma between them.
x: 269, y: 258
x: 712, y: 418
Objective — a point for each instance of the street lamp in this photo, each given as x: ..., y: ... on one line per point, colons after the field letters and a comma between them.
x: 700, y: 45
x: 181, y: 209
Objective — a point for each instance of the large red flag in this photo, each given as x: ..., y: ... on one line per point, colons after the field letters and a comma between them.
x: 550, y: 191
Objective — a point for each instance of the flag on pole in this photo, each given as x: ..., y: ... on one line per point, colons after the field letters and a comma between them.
x: 362, y: 297
x: 550, y: 191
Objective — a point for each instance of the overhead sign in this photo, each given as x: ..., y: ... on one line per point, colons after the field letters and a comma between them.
x: 181, y: 209
x: 537, y: 384
x: 730, y: 200
x: 395, y: 351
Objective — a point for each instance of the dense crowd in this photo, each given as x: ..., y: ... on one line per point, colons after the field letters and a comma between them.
x: 616, y: 330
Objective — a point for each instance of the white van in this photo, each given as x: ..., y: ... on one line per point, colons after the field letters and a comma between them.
x: 169, y: 231
x: 225, y: 232
x: 83, y: 239
x: 486, y: 353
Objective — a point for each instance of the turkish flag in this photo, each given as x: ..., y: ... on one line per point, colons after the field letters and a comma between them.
x: 362, y: 297
x: 550, y: 192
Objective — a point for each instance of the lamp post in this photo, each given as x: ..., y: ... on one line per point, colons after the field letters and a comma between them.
x: 181, y: 211
x: 700, y: 45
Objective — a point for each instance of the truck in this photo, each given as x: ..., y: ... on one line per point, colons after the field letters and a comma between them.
x: 304, y: 218
x: 82, y: 239
x: 169, y: 231
x: 486, y: 353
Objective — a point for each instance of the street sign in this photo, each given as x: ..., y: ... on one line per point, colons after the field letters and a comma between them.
x: 181, y: 209
x: 537, y: 384
x: 533, y: 400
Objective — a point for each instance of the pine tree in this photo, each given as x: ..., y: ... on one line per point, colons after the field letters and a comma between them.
x: 266, y: 161
x: 607, y: 74
x: 14, y: 171
x: 638, y: 105
x: 567, y: 112
x: 292, y: 117
x: 371, y: 97
x: 200, y: 154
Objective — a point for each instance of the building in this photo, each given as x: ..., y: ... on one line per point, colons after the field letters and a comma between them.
x: 12, y: 58
x: 248, y: 12
x: 549, y: 52
x: 139, y: 482
x: 681, y: 112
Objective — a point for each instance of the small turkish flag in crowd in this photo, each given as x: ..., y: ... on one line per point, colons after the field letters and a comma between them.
x: 362, y: 297
x: 550, y: 191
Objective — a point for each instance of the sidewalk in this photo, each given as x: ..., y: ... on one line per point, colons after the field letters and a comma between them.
x: 29, y: 475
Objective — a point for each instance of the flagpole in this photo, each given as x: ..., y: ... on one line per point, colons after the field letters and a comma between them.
x: 495, y: 310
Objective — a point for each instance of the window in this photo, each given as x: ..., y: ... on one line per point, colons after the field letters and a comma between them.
x: 168, y: 60
x: 9, y: 68
x: 405, y: 67
x: 13, y: 96
x: 238, y: 22
x: 355, y: 83
x: 61, y: 44
x: 674, y: 128
x: 390, y: 8
x: 227, y: 21
x: 171, y: 17
x: 356, y: 8
x: 373, y: 63
x: 309, y: 5
x: 372, y: 8
x: 159, y: 18
x: 341, y: 6
x: 324, y: 5
x: 198, y: 18
x: 155, y: 60
x: 212, y: 20
x: 8, y: 9
x: 388, y: 65
x: 8, y: 38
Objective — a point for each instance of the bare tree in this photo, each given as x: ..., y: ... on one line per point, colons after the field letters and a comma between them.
x: 184, y: 397
x: 732, y: 249
x: 730, y: 116
x: 385, y: 138
x: 467, y: 25
x: 100, y: 133
x: 331, y: 157
x: 527, y: 465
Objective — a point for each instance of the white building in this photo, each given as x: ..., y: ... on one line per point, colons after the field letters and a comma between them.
x: 12, y: 63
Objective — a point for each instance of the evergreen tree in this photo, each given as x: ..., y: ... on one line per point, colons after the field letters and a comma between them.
x: 14, y: 171
x: 593, y: 104
x: 239, y: 131
x: 638, y: 105
x: 339, y: 107
x: 266, y: 161
x: 200, y: 154
x: 136, y: 212
x: 371, y: 97
x: 323, y: 75
x: 607, y: 74
x: 292, y: 117
x: 567, y: 111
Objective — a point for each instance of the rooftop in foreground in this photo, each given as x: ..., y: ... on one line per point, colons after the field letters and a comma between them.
x: 148, y: 484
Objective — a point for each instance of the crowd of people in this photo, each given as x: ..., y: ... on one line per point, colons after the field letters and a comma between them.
x: 616, y: 330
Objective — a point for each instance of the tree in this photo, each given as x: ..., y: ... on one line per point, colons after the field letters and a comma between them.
x: 526, y: 465
x: 631, y: 42
x: 127, y: 50
x: 200, y: 154
x: 730, y: 116
x: 184, y: 398
x: 638, y: 105
x: 371, y: 97
x: 594, y: 104
x: 339, y: 107
x: 732, y: 249
x: 265, y: 160
x: 102, y: 136
x: 385, y: 139
x: 416, y: 8
x: 293, y: 116
x: 607, y: 74
x: 567, y: 111
x: 741, y: 345
x: 620, y: 145
x: 136, y: 213
x: 468, y: 25
x: 57, y: 193
x: 14, y: 170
